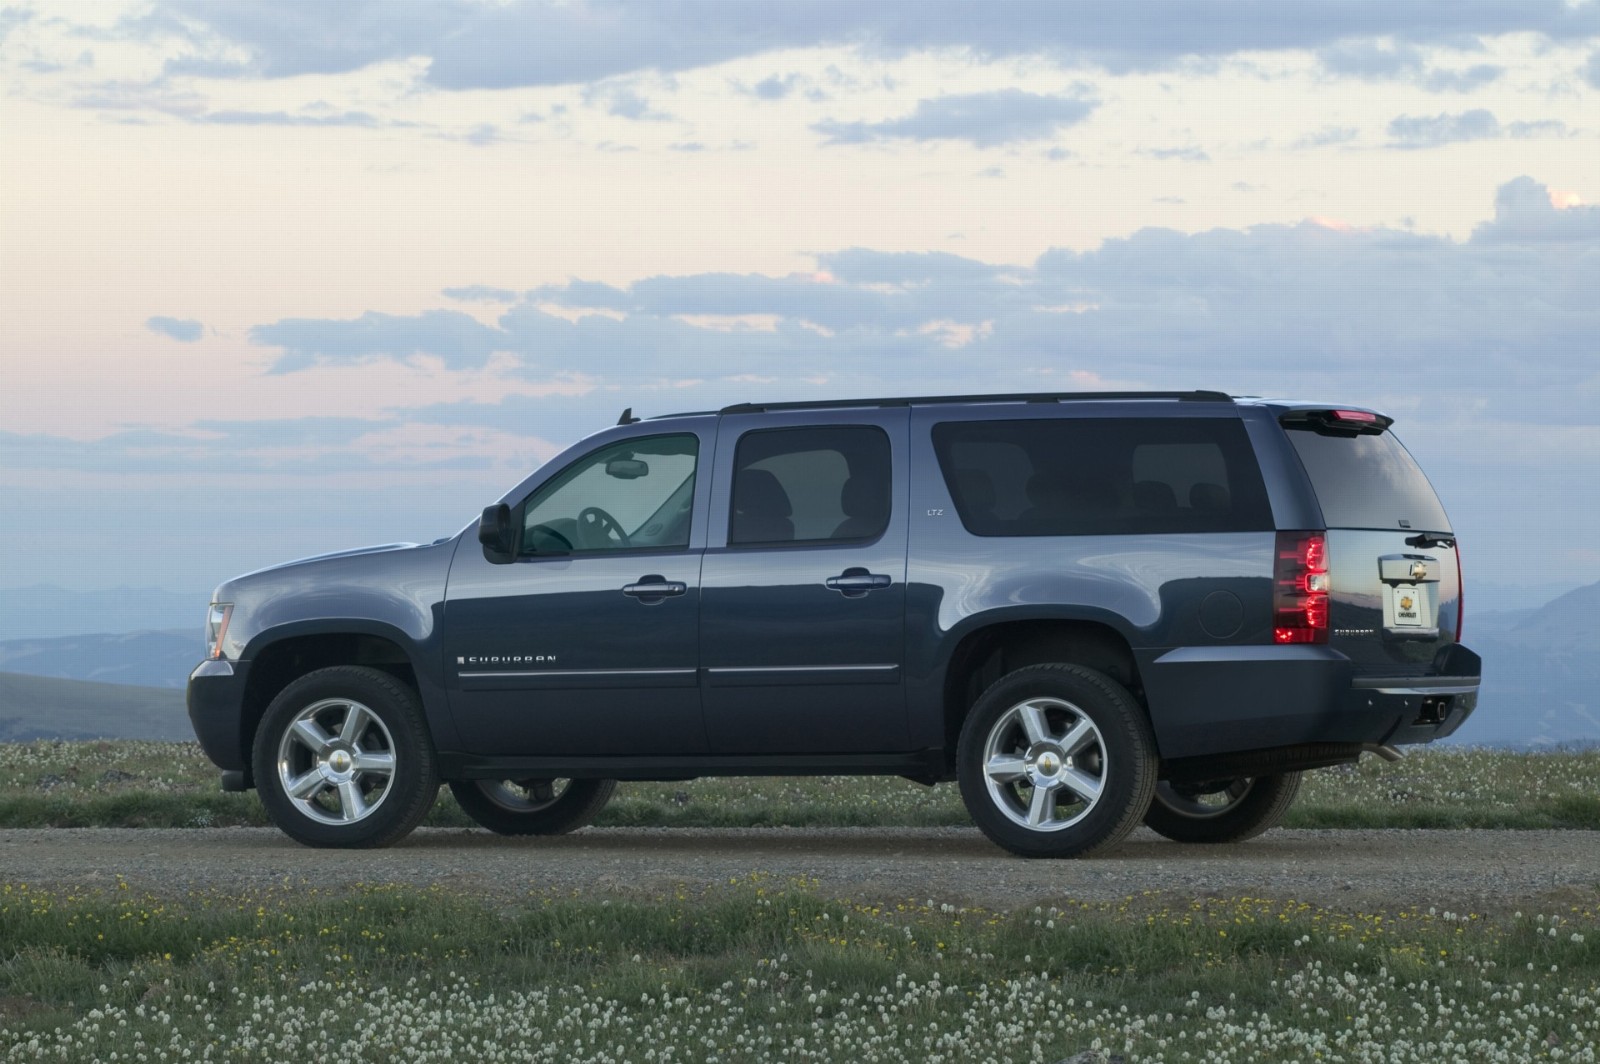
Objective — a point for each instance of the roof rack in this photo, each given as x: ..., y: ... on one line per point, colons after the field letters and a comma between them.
x: 1199, y: 396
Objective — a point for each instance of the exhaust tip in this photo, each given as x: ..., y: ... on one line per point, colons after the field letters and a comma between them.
x: 1383, y: 750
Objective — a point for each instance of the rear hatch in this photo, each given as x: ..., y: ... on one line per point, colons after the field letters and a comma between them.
x: 1395, y: 598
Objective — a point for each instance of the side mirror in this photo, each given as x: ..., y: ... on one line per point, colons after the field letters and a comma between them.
x: 495, y: 533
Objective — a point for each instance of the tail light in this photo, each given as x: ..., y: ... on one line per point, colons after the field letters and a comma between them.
x: 1300, y: 588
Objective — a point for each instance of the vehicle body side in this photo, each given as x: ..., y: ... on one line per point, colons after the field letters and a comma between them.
x: 1183, y: 621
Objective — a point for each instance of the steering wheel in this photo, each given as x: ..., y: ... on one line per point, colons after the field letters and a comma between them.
x: 597, y: 527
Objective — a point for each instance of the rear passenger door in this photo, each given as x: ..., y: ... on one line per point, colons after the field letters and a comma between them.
x: 803, y: 584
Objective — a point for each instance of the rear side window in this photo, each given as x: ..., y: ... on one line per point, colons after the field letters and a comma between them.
x: 808, y: 485
x: 1102, y: 476
x: 1367, y: 481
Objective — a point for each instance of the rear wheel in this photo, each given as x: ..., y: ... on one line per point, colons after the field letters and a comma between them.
x: 1056, y: 761
x: 1223, y: 810
x: 532, y: 806
x: 343, y: 758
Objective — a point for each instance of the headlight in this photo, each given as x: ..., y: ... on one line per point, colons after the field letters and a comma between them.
x: 217, y: 627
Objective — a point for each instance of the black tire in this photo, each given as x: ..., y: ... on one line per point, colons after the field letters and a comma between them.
x: 331, y: 732
x: 532, y: 807
x: 1113, y: 757
x: 1223, y: 811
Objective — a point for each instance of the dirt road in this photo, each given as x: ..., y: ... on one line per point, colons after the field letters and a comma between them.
x: 1462, y: 869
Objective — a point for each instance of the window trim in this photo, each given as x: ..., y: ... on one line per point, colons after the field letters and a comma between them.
x: 942, y: 461
x: 811, y: 544
x: 520, y: 511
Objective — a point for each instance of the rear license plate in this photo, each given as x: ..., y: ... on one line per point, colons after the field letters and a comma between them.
x: 1408, y: 606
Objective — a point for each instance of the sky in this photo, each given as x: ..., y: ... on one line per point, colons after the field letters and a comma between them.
x: 280, y: 278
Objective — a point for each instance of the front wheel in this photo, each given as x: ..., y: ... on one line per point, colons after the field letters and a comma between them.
x: 1056, y: 761
x: 532, y: 806
x: 1221, y: 811
x: 343, y: 758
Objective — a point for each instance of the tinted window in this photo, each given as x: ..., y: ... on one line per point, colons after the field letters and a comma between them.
x: 1368, y: 482
x: 1098, y: 476
x: 631, y: 495
x: 810, y: 484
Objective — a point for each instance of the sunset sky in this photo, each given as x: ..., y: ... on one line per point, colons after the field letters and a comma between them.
x: 281, y: 278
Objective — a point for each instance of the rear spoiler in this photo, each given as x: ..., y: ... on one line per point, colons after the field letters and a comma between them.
x: 1338, y: 421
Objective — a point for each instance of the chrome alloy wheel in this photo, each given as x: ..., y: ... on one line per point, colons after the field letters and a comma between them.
x: 523, y: 796
x: 1044, y: 764
x: 1195, y: 804
x: 336, y: 761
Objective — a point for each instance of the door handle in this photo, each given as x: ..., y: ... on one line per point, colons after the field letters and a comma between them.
x: 653, y: 588
x: 855, y: 582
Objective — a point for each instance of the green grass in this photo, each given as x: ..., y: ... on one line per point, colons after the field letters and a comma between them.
x: 762, y: 970
x: 151, y: 784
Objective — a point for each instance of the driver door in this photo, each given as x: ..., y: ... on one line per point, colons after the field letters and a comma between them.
x: 586, y: 645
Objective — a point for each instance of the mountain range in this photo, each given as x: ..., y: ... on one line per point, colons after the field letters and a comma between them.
x: 1541, y: 684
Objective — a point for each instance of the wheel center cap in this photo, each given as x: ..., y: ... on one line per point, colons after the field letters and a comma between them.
x: 1049, y: 764
x: 340, y: 761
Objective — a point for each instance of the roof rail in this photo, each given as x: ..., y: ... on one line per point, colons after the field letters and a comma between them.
x: 1199, y: 396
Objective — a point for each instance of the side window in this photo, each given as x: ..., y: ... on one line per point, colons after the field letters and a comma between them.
x: 810, y: 485
x: 632, y: 495
x: 1102, y: 476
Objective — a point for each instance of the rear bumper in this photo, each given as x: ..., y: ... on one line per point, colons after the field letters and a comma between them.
x: 1221, y: 700
x: 215, y: 698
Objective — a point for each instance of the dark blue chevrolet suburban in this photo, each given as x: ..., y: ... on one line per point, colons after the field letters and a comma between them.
x: 1089, y: 610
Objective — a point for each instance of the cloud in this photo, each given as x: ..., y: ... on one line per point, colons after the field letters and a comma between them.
x: 1190, y: 155
x: 455, y: 337
x: 623, y: 101
x: 1524, y: 214
x: 1327, y: 137
x: 481, y: 293
x: 1432, y: 131
x: 774, y: 87
x: 471, y: 45
x: 180, y: 329
x: 1304, y: 308
x: 284, y: 118
x: 1376, y: 60
x: 11, y: 18
x: 1423, y: 131
x: 983, y: 119
x: 1591, y: 70
x: 1473, y: 77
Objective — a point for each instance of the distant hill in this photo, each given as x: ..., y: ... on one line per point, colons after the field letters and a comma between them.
x: 1541, y: 673
x: 42, y: 612
x: 39, y: 707
x: 147, y: 659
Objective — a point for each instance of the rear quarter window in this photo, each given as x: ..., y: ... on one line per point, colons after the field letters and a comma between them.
x: 1367, y: 481
x: 1102, y: 476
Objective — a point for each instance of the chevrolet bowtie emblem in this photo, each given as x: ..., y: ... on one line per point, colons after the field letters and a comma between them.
x: 1419, y: 570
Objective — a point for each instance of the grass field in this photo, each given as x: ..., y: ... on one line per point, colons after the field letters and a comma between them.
x: 761, y: 970
x: 150, y: 784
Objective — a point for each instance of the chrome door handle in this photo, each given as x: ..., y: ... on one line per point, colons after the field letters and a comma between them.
x: 653, y: 588
x: 856, y: 582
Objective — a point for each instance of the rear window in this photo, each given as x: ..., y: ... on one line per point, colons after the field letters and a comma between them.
x: 1367, y: 481
x: 1101, y: 476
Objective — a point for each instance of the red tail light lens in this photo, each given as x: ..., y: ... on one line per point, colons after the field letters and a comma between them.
x: 1300, y: 588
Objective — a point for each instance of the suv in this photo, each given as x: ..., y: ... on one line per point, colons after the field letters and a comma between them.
x: 1087, y: 609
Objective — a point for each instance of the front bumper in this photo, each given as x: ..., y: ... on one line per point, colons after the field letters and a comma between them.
x: 215, y: 697
x: 1208, y: 701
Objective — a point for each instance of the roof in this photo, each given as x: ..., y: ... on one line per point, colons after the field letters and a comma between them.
x: 1197, y: 396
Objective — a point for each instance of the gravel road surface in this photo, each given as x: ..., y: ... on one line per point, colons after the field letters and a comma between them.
x: 1478, y: 870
